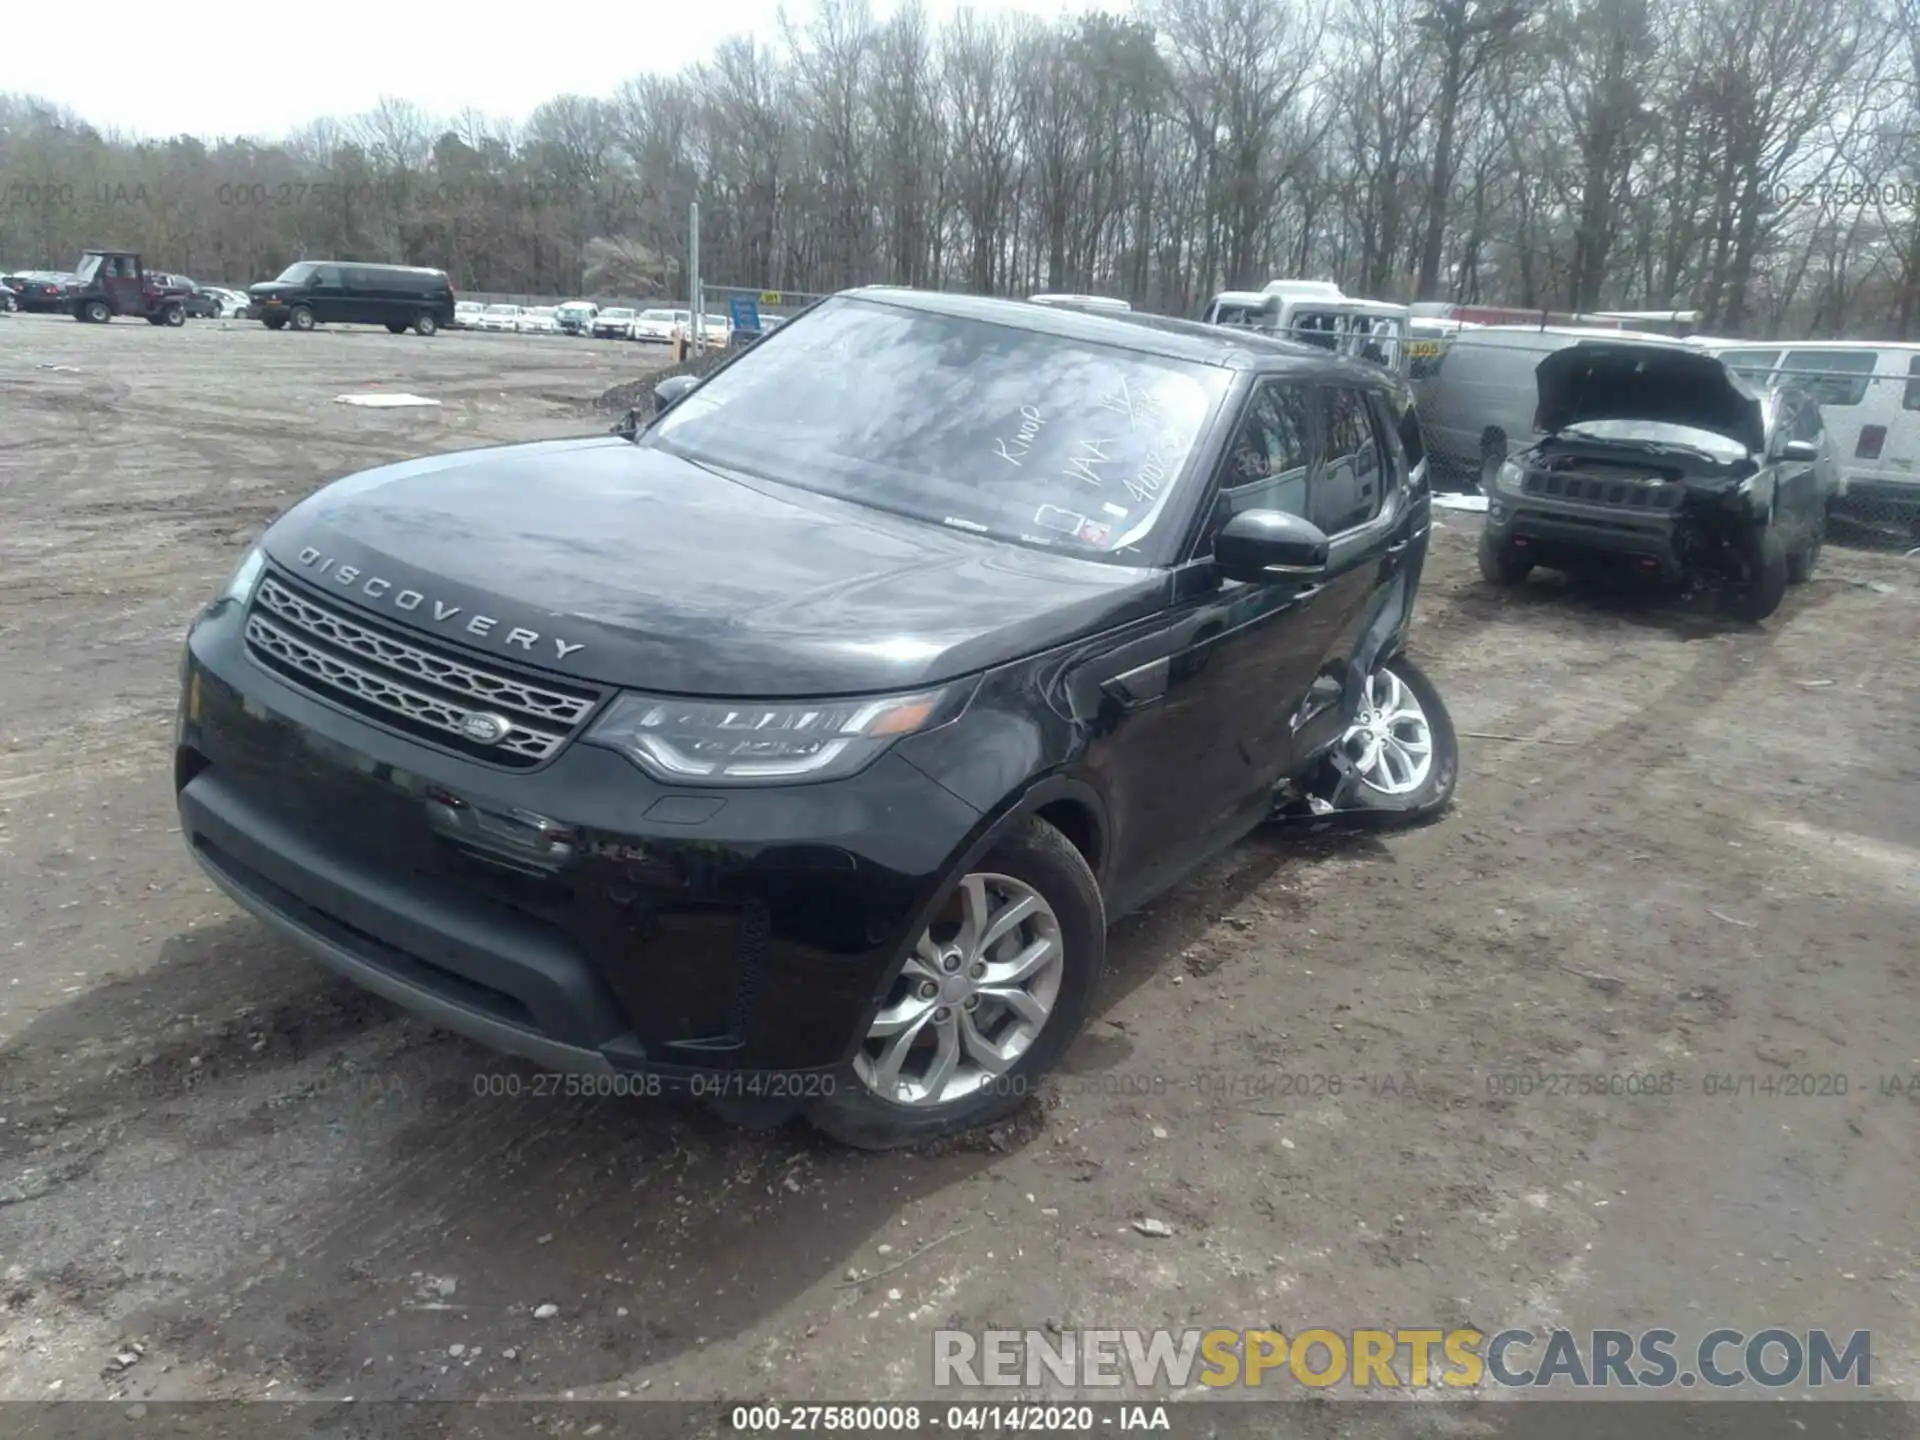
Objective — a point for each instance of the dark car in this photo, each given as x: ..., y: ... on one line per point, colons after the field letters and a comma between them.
x: 116, y: 282
x: 41, y: 292
x: 326, y: 292
x: 199, y: 302
x: 1664, y: 458
x: 798, y: 745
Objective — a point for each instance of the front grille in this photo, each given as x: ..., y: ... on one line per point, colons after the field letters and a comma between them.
x: 1639, y: 493
x: 424, y: 693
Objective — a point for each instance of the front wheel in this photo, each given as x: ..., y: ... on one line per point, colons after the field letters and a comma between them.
x: 1499, y: 564
x: 173, y: 315
x: 990, y: 997
x: 96, y: 312
x: 395, y: 327
x: 1801, y: 564
x: 425, y: 324
x: 301, y: 318
x: 1764, y: 584
x: 1401, y: 754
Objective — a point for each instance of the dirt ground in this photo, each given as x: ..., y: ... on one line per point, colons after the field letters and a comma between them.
x: 1678, y: 849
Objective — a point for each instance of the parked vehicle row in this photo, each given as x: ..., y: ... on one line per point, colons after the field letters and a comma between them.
x: 585, y: 318
x: 56, y: 292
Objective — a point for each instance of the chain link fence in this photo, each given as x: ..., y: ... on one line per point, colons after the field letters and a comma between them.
x: 1475, y: 398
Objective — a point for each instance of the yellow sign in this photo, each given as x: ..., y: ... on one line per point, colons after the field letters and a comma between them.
x: 769, y: 297
x: 1422, y: 348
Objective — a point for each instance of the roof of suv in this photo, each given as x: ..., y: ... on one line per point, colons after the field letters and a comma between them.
x: 1162, y: 335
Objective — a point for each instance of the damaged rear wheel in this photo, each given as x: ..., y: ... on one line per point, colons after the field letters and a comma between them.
x: 1400, y: 759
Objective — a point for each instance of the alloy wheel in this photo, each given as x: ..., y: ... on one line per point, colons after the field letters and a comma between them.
x: 1390, y: 744
x: 973, y: 997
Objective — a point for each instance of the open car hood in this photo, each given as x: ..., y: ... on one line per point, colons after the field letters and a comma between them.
x: 1624, y: 380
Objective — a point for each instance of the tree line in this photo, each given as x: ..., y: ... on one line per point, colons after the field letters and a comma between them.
x: 1753, y: 159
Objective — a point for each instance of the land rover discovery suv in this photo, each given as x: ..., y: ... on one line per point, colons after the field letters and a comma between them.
x: 800, y: 742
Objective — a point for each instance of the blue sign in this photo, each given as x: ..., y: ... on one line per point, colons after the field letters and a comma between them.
x: 746, y: 312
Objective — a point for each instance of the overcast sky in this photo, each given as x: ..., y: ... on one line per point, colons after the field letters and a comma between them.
x: 262, y: 72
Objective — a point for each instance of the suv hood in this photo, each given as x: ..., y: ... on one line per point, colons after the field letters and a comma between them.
x: 627, y: 566
x: 1616, y: 380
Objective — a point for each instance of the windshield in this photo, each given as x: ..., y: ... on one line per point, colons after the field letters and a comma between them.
x: 617, y: 314
x: 503, y: 310
x: 656, y: 315
x: 1657, y: 432
x: 297, y: 274
x: 88, y: 267
x: 988, y: 428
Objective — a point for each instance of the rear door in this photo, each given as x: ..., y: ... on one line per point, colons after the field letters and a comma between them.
x: 1206, y: 700
x: 368, y: 295
x: 120, y: 277
x: 1355, y: 499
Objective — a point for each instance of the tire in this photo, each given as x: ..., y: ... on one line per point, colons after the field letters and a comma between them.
x: 173, y: 316
x: 1801, y: 564
x: 155, y: 320
x: 396, y: 327
x: 1760, y: 592
x: 300, y: 317
x: 96, y: 312
x: 279, y: 323
x: 425, y: 325
x: 1499, y: 565
x: 1030, y: 859
x: 1365, y: 802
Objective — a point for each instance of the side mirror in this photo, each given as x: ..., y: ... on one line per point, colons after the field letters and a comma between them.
x: 1800, y: 452
x: 1263, y: 547
x: 672, y: 391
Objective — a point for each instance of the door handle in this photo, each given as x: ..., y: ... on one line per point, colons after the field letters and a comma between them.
x: 1398, y: 548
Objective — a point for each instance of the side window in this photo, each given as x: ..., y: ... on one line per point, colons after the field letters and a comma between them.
x: 1806, y: 423
x: 1268, y: 458
x: 1835, y: 377
x: 1349, y: 488
x: 1750, y: 365
x: 1911, y: 401
x: 328, y: 276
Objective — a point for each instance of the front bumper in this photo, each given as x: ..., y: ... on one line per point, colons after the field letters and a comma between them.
x: 579, y: 913
x: 1557, y: 518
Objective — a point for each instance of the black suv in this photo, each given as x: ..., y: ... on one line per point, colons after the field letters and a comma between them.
x: 323, y: 292
x: 799, y: 744
x: 1661, y: 456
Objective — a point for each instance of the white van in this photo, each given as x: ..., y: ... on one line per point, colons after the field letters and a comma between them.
x: 1315, y: 312
x: 1476, y: 404
x: 1869, y: 397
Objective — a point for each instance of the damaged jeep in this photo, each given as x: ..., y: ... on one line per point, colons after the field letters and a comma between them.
x: 1662, y: 458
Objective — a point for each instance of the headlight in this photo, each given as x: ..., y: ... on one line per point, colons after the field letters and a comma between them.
x: 240, y: 587
x: 1509, y: 477
x: 745, y: 742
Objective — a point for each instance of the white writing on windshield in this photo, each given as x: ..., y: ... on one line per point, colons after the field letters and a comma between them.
x: 1015, y: 450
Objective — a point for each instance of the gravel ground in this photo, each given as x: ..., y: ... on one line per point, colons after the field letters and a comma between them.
x: 1678, y: 848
